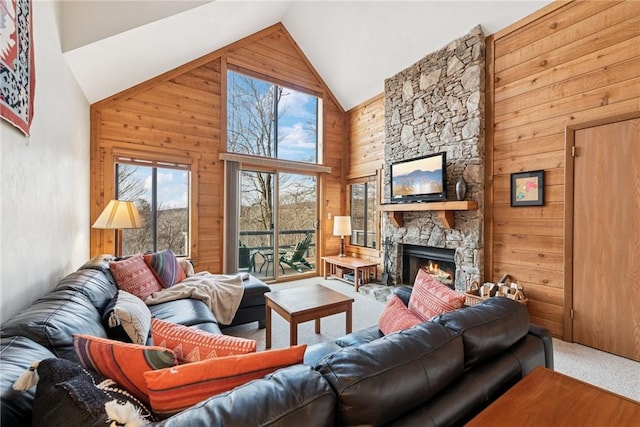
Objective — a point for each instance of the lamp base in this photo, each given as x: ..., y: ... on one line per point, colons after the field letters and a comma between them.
x: 342, y: 254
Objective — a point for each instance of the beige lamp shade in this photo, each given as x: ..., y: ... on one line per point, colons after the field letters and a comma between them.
x: 342, y: 226
x: 117, y: 215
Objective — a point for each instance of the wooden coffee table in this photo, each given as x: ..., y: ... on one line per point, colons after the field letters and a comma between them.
x: 548, y: 398
x: 304, y: 303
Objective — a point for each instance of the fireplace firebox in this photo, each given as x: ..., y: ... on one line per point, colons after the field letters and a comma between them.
x: 438, y: 262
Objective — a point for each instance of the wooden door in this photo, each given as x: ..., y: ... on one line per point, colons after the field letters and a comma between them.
x: 606, y: 238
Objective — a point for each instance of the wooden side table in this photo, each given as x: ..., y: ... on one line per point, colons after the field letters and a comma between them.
x: 362, y: 269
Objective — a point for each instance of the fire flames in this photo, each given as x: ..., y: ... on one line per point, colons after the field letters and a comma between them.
x: 434, y: 269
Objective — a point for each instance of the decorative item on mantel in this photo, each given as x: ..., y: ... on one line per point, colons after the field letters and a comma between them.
x: 461, y: 188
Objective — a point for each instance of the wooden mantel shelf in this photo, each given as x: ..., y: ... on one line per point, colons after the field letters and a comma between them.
x: 445, y: 210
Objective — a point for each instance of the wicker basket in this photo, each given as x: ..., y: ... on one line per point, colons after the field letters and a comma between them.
x: 476, y: 293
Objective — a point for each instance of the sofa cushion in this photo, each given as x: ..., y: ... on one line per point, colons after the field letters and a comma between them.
x: 133, y: 275
x: 93, y: 284
x: 467, y: 396
x: 186, y: 312
x: 127, y: 318
x: 193, y: 345
x: 124, y: 363
x: 166, y: 267
x: 430, y: 297
x: 174, y: 389
x: 396, y: 317
x: 292, y: 396
x: 68, y: 395
x: 487, y: 328
x: 53, y: 319
x: 378, y: 381
x: 100, y: 263
x: 254, y: 290
x: 360, y: 337
x: 17, y: 354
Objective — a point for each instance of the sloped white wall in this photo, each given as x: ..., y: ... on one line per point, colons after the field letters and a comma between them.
x: 44, y: 185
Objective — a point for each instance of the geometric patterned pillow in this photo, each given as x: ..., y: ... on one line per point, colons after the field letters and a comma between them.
x: 429, y: 297
x: 133, y: 275
x: 122, y: 362
x: 396, y: 317
x: 127, y: 318
x: 194, y: 345
x: 166, y: 267
x: 175, y: 389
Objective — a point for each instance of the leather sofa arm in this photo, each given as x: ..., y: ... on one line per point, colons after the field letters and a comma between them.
x: 547, y: 341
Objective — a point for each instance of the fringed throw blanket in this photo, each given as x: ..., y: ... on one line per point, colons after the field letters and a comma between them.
x: 221, y: 293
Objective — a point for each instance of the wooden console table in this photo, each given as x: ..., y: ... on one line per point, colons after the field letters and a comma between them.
x: 548, y: 398
x: 361, y: 269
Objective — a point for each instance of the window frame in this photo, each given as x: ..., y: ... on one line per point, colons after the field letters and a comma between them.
x: 371, y: 179
x: 277, y: 82
x: 161, y: 158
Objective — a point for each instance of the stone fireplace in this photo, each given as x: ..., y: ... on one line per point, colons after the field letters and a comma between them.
x: 436, y: 105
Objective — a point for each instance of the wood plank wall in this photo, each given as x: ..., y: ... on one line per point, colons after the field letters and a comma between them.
x: 567, y: 64
x: 365, y: 135
x: 181, y: 115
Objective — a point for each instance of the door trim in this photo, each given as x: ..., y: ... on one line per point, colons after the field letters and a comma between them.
x: 570, y: 131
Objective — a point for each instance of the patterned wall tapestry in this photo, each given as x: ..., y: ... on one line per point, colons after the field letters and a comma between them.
x: 17, y: 69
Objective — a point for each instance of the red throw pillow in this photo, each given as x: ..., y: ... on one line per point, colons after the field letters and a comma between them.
x: 430, y: 297
x: 194, y: 345
x: 133, y: 275
x: 396, y: 317
x: 174, y: 389
x: 122, y: 362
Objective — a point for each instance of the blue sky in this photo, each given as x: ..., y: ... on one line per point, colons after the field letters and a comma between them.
x: 173, y: 186
x: 296, y: 109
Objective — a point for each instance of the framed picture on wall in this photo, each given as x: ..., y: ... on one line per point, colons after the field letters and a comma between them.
x: 527, y: 188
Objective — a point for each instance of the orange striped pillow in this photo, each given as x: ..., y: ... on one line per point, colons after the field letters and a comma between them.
x: 174, y: 389
x: 396, y: 317
x: 122, y: 362
x: 194, y: 345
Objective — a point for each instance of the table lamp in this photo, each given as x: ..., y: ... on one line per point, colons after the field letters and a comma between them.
x: 118, y: 215
x: 342, y: 227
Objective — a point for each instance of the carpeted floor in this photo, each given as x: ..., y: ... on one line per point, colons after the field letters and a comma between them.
x: 613, y: 373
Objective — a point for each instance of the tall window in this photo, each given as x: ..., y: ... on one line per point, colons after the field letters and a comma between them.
x: 160, y: 191
x: 268, y: 120
x: 363, y: 214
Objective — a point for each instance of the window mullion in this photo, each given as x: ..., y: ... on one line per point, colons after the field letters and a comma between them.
x: 154, y: 208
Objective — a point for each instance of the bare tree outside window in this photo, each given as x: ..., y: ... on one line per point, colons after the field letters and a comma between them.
x: 271, y: 121
x: 166, y: 224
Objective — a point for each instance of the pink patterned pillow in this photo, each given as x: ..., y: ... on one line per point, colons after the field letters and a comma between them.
x: 133, y: 275
x: 396, y: 317
x: 430, y: 297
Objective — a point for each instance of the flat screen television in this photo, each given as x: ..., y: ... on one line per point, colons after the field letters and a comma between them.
x: 421, y: 179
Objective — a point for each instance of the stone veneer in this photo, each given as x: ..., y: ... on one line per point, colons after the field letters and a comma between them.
x: 437, y: 105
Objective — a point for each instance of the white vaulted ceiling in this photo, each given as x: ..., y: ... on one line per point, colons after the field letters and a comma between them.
x: 354, y: 45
